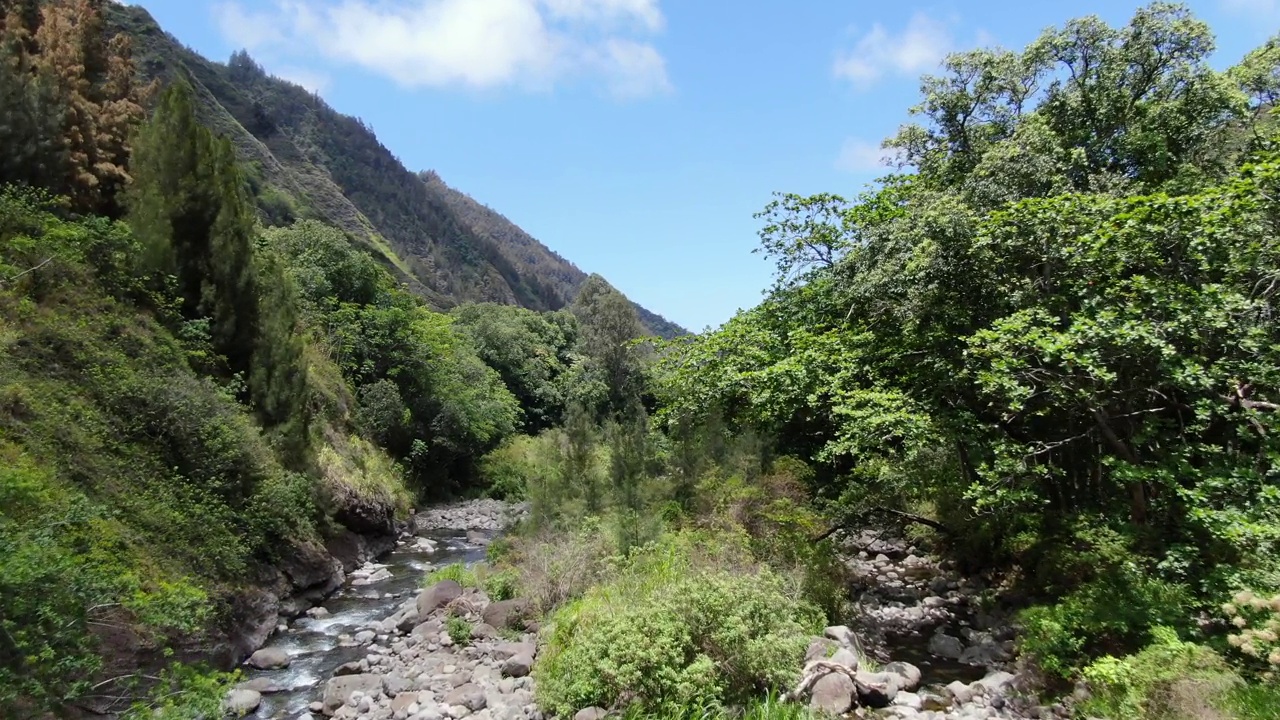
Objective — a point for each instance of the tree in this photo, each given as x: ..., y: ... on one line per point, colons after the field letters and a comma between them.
x: 608, y: 326
x: 190, y: 209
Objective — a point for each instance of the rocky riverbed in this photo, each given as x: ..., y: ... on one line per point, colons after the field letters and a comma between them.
x: 920, y: 644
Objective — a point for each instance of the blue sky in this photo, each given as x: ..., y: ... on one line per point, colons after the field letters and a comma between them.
x: 638, y: 137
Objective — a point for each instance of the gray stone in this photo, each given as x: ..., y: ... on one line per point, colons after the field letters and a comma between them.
x: 340, y: 689
x: 364, y: 637
x: 510, y: 650
x: 591, y: 713
x: 846, y: 657
x: 997, y: 683
x: 483, y: 631
x: 507, y: 614
x: 960, y: 692
x: 403, y: 700
x: 844, y: 636
x: 820, y: 649
x: 832, y: 694
x: 877, y: 690
x: 437, y: 596
x: 394, y: 685
x: 986, y: 654
x: 469, y: 696
x: 518, y: 665
x: 270, y: 659
x: 908, y: 674
x: 946, y: 646
x: 242, y: 701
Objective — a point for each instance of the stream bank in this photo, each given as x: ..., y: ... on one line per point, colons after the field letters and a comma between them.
x: 380, y: 648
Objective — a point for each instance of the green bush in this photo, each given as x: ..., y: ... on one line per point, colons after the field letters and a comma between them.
x: 185, y: 692
x: 459, y: 630
x: 680, y: 624
x: 1168, y: 680
x: 1113, y: 614
x: 501, y: 584
x: 457, y: 572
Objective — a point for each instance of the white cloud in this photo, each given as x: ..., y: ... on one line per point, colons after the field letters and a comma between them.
x: 529, y: 44
x: 859, y: 156
x: 918, y: 48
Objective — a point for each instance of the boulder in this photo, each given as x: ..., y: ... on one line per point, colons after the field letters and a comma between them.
x: 877, y: 690
x: 242, y: 701
x: 340, y: 689
x: 997, y: 683
x: 820, y: 649
x: 469, y: 696
x: 349, y: 668
x: 832, y: 694
x: 908, y: 674
x: 846, y: 657
x: 960, y: 692
x: 510, y: 614
x: 842, y: 635
x: 394, y: 685
x: 437, y: 596
x: 483, y: 631
x: 946, y: 646
x: 590, y: 713
x: 270, y: 659
x: 986, y: 654
x: 403, y: 700
x: 510, y: 650
x: 518, y: 666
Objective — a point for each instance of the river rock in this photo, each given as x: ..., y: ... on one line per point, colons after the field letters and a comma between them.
x: 242, y: 701
x: 437, y: 596
x: 877, y: 690
x: 591, y: 713
x: 518, y: 666
x: 318, y: 613
x: 820, y: 649
x: 394, y: 685
x: 845, y: 657
x: 997, y: 683
x: 842, y: 635
x: 946, y: 646
x: 832, y: 694
x: 510, y: 650
x: 270, y: 659
x: 986, y: 654
x: 338, y: 690
x: 908, y: 675
x: 960, y: 692
x: 483, y: 631
x: 469, y: 696
x: 402, y: 701
x: 506, y: 613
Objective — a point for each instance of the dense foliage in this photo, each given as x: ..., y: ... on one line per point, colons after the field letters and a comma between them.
x: 1053, y: 332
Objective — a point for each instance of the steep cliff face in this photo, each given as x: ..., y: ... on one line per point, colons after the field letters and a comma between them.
x: 307, y: 160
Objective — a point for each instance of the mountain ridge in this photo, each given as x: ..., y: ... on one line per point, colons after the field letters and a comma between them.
x: 306, y: 160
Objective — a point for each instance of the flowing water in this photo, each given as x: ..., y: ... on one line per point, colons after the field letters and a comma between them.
x: 314, y: 645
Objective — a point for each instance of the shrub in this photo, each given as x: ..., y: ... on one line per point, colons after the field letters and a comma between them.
x: 1168, y: 680
x: 680, y: 624
x: 501, y: 585
x: 459, y: 573
x: 184, y: 692
x: 459, y: 630
x: 1113, y: 614
x: 1258, y: 641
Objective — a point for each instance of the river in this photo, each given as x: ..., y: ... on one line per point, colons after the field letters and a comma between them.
x: 314, y: 645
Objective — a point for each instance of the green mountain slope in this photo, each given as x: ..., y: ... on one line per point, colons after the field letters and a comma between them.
x: 310, y: 161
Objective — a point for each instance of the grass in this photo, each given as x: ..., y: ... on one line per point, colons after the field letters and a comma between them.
x: 457, y: 572
x: 769, y: 707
